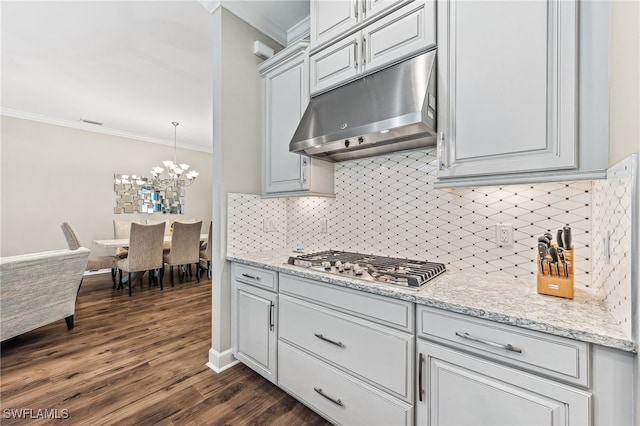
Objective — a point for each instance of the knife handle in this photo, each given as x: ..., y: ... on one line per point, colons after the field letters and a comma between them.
x: 566, y: 236
x: 559, y: 238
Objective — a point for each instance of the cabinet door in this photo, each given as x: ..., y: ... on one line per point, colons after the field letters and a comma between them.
x: 507, y: 86
x: 454, y: 388
x: 253, y: 335
x: 286, y: 96
x: 375, y: 7
x: 335, y: 64
x: 408, y: 30
x: 331, y: 18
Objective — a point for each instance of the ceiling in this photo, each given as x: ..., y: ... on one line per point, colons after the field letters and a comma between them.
x: 134, y: 66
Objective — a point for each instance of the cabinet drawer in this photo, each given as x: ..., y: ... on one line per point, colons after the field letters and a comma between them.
x: 557, y: 357
x: 255, y: 276
x: 377, y: 354
x: 337, y: 396
x: 382, y: 310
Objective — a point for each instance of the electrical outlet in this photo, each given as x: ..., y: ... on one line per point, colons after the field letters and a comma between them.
x: 269, y: 225
x: 323, y: 225
x: 504, y: 234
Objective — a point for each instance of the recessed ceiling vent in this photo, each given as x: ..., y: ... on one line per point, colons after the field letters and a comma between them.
x: 97, y: 123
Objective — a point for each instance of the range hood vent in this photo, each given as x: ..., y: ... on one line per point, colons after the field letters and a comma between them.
x: 391, y: 110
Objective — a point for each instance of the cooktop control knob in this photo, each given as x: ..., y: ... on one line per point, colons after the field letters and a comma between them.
x: 326, y: 265
x: 347, y: 266
x: 357, y: 269
x: 347, y: 143
x: 360, y: 140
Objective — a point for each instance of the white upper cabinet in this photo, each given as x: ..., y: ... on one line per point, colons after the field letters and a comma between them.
x: 507, y: 90
x: 400, y: 34
x: 394, y: 36
x: 331, y: 19
x: 285, y: 87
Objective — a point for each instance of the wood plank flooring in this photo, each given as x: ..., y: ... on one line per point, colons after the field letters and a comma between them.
x: 136, y: 360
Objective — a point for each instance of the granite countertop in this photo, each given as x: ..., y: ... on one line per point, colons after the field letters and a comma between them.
x: 495, y: 298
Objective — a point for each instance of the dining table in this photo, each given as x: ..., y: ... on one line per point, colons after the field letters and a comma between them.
x: 124, y: 242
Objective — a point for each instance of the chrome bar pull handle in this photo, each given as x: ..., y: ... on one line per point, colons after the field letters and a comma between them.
x: 304, y: 170
x: 355, y: 54
x: 440, y: 154
x: 355, y: 9
x: 251, y: 277
x: 420, y: 388
x: 333, y: 342
x: 507, y: 346
x: 335, y: 401
x: 364, y: 51
x: 271, y: 324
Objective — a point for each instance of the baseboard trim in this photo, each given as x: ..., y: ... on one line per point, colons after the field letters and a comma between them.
x: 219, y: 362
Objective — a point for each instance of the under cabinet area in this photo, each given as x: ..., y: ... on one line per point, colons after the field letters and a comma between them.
x: 285, y: 95
x: 517, y: 94
x: 254, y: 311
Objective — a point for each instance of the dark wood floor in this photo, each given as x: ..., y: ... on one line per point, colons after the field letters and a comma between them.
x: 138, y: 360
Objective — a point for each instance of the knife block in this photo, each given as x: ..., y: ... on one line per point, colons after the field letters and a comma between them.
x: 554, y: 285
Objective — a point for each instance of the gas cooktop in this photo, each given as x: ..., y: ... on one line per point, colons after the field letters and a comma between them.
x: 406, y: 272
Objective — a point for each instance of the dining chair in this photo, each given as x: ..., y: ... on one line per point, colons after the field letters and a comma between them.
x: 205, y: 255
x: 94, y: 263
x: 185, y: 246
x: 121, y: 230
x: 145, y: 252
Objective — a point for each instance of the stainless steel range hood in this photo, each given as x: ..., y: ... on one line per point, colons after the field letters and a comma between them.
x: 390, y: 110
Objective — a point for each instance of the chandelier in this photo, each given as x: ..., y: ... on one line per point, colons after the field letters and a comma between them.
x: 177, y: 172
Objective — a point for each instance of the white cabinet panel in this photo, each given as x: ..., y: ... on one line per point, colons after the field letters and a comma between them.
x: 553, y: 356
x: 331, y: 18
x: 285, y: 86
x: 358, y: 346
x: 400, y: 34
x: 335, y: 395
x: 253, y: 328
x: 335, y: 64
x: 507, y: 86
x: 286, y: 97
x: 460, y: 389
x: 404, y: 32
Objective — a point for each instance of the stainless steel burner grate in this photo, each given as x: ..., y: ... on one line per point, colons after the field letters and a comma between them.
x: 408, y: 272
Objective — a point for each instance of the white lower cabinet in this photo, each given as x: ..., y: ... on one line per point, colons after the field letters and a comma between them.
x: 347, y: 368
x: 468, y: 374
x: 254, y: 324
x: 336, y: 395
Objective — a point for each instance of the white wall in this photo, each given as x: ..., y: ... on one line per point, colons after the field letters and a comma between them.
x: 237, y: 157
x: 52, y: 174
x: 624, y: 113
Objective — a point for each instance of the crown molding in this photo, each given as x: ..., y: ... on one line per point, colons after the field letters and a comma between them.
x: 8, y: 112
x: 257, y: 20
x: 211, y: 5
x: 299, y: 31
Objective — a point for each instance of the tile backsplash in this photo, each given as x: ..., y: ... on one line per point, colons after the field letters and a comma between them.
x: 388, y: 205
x: 613, y: 201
